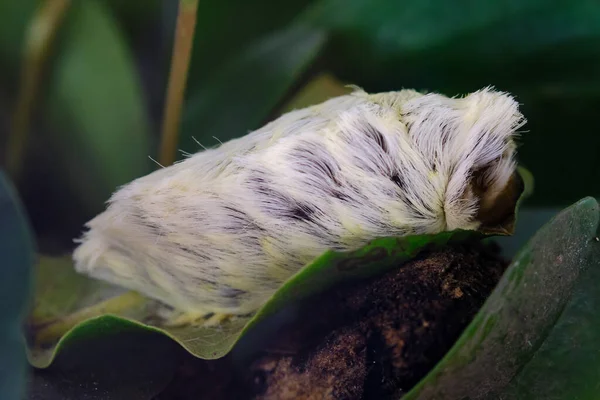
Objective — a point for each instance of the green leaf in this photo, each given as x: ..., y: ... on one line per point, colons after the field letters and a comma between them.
x: 225, y: 28
x: 547, y: 53
x: 473, y: 42
x: 95, y: 107
x: 567, y: 365
x: 520, y: 317
x: 62, y: 292
x: 240, y: 95
x: 17, y: 252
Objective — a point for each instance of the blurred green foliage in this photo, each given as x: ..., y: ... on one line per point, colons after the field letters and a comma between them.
x: 95, y: 108
x: 225, y: 28
x: 270, y: 67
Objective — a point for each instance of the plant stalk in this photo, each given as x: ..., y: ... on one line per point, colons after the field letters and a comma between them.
x: 180, y: 61
x: 40, y: 36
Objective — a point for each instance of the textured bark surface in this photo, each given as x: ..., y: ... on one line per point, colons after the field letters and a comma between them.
x: 371, y: 339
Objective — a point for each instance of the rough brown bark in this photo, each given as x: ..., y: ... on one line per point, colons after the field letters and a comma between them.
x: 371, y: 339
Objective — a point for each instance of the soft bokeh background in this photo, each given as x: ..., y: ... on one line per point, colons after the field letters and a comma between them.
x: 97, y: 112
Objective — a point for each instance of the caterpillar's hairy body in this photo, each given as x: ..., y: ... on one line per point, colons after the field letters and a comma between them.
x: 220, y: 231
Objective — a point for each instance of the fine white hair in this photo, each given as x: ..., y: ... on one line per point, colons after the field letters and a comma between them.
x: 221, y: 230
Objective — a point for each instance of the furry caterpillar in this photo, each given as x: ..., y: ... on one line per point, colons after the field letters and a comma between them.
x: 220, y: 231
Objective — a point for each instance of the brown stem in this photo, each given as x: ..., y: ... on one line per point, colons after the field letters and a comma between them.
x: 182, y: 51
x: 40, y: 36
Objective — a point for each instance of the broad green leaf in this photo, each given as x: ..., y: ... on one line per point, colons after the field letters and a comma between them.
x: 567, y: 365
x: 17, y: 252
x: 71, y: 308
x: 225, y: 28
x: 521, y: 313
x: 547, y: 53
x: 62, y: 297
x: 472, y: 43
x: 238, y: 97
x: 95, y: 107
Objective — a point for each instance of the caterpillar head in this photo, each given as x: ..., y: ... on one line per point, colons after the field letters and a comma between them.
x: 470, y: 142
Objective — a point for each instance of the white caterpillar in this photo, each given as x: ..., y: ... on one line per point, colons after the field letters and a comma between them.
x: 220, y: 231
